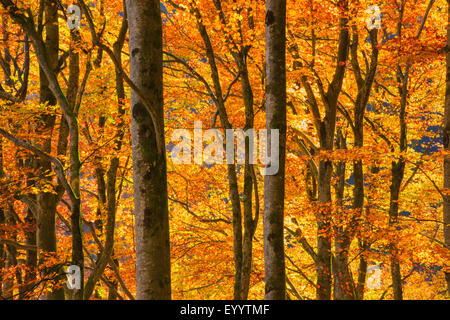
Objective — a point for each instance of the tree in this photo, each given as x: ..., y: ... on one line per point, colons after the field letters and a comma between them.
x: 274, y: 185
x: 47, y: 201
x: 149, y: 158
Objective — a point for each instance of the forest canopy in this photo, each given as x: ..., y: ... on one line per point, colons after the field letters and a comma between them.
x: 224, y: 149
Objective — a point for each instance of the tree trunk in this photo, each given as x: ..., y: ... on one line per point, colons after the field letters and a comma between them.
x: 47, y: 202
x: 250, y: 223
x: 323, y: 265
x: 398, y: 171
x: 274, y: 185
x: 75, y: 164
x: 397, y: 177
x: 149, y: 159
x: 31, y: 256
x: 343, y: 282
x: 362, y: 272
x: 120, y: 89
x: 10, y: 258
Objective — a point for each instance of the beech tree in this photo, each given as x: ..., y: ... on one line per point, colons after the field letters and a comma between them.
x: 274, y: 185
x: 149, y: 157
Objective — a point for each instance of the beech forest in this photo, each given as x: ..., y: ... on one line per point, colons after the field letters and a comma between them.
x: 224, y: 150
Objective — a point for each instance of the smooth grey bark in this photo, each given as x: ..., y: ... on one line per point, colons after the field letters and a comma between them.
x: 149, y: 161
x: 274, y: 186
